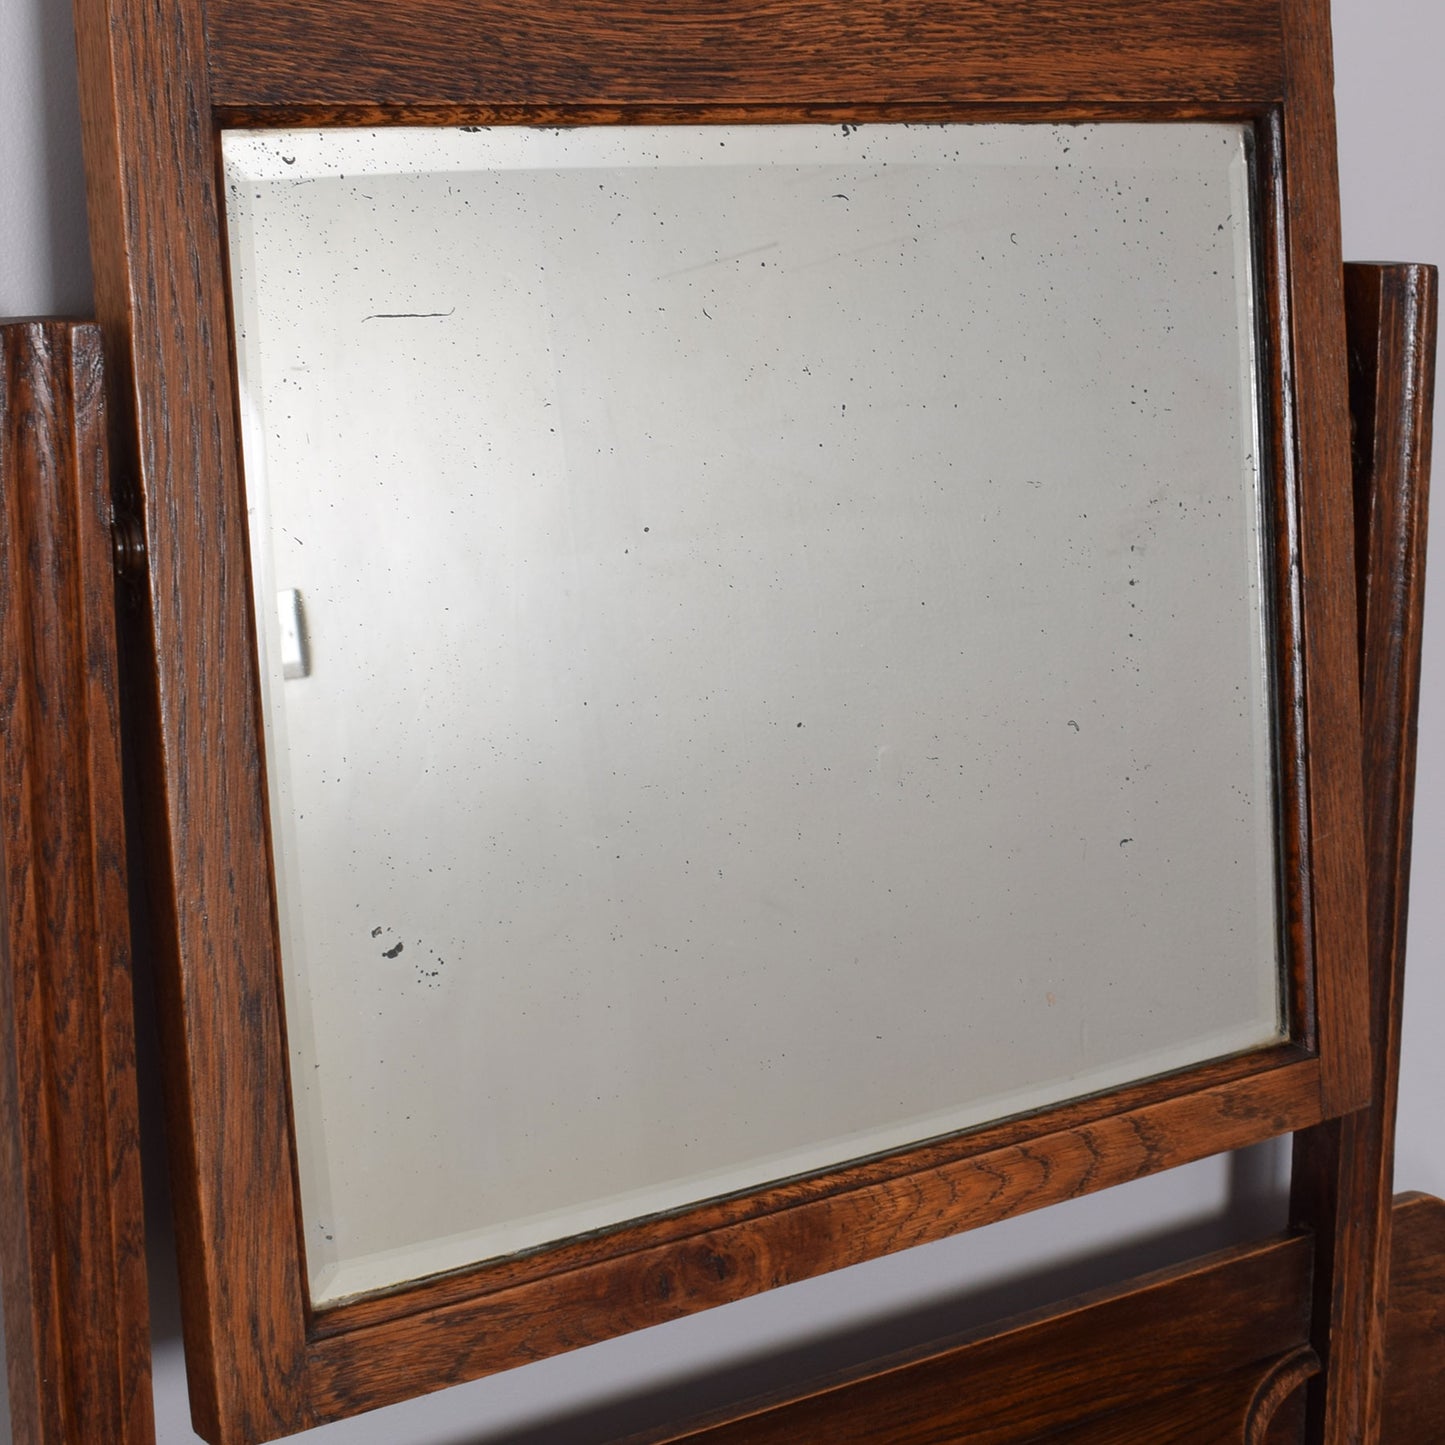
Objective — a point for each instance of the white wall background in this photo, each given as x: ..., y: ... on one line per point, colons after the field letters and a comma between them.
x: 1392, y: 162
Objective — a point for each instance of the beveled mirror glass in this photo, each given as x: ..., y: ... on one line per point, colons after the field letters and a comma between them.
x: 764, y: 640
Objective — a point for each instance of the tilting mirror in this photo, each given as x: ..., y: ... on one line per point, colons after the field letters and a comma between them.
x: 766, y: 649
x: 754, y: 659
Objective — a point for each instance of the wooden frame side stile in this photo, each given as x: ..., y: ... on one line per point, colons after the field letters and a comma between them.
x: 1321, y: 432
x: 72, y: 1249
x: 152, y: 197
x: 159, y: 78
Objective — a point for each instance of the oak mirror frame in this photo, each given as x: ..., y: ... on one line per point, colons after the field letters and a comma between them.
x: 162, y: 83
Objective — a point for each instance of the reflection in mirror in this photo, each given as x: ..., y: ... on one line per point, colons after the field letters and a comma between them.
x: 764, y: 650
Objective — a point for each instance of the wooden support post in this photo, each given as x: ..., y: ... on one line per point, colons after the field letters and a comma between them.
x: 72, y: 1260
x: 1342, y: 1169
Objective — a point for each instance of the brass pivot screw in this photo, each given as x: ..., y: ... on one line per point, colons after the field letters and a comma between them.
x: 128, y: 547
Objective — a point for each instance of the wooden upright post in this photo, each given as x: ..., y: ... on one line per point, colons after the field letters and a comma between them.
x: 1343, y: 1169
x: 72, y: 1257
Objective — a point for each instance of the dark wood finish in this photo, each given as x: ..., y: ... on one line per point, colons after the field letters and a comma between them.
x: 1001, y: 1171
x: 156, y: 84
x: 1281, y: 464
x: 1286, y: 1425
x: 161, y: 300
x: 1206, y: 1353
x: 1414, y: 1377
x: 1343, y: 1169
x: 461, y: 1328
x: 1202, y: 1353
x: 72, y: 1257
x: 391, y: 53
x: 1247, y: 1405
x: 1317, y: 422
x: 376, y: 113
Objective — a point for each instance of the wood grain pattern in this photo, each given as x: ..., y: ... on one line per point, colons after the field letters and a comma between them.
x: 996, y: 1171
x: 1247, y: 1406
x: 450, y: 1335
x: 1204, y: 1353
x: 1414, y: 1378
x: 1343, y: 1169
x: 1319, y: 423
x: 1281, y: 465
x: 623, y: 52
x: 72, y: 1259
x: 295, y: 115
x: 1268, y: 1418
x: 161, y: 299
x: 1240, y: 1408
x: 158, y: 76
x: 1189, y: 1354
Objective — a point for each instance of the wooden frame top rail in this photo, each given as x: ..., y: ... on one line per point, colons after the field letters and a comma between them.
x: 395, y: 55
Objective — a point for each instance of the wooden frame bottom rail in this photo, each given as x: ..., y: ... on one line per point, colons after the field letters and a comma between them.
x: 379, y: 1361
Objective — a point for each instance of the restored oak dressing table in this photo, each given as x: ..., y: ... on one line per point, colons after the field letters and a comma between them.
x: 700, y: 586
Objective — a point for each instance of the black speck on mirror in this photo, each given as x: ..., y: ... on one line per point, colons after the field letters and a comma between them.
x: 785, y: 643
